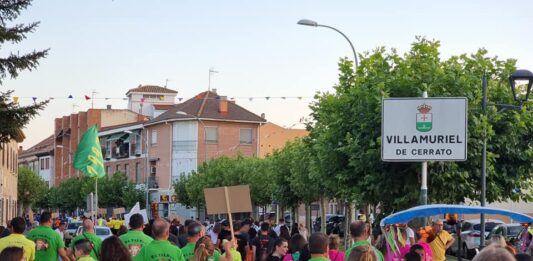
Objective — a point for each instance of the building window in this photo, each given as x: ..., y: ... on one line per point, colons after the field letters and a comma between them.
x: 246, y: 136
x: 47, y: 161
x: 153, y: 137
x: 127, y: 169
x: 117, y: 168
x: 42, y: 164
x: 137, y: 172
x: 211, y: 134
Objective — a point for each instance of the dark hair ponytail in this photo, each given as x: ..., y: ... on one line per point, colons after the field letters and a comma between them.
x: 278, y: 242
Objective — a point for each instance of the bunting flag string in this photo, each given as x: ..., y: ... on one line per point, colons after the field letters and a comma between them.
x: 16, y: 99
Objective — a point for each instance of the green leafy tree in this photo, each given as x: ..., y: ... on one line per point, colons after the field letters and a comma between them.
x: 30, y: 187
x: 180, y: 187
x: 13, y: 116
x: 347, y: 129
x: 225, y: 171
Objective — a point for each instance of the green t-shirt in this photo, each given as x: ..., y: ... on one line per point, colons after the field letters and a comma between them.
x: 159, y: 250
x: 215, y: 257
x: 135, y: 240
x: 47, y: 243
x: 188, y: 251
x: 97, y: 242
x: 86, y: 258
x: 378, y: 253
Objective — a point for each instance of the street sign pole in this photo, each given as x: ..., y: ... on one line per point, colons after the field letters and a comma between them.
x: 424, y: 179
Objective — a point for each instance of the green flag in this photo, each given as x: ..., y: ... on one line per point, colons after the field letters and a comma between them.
x: 89, y: 158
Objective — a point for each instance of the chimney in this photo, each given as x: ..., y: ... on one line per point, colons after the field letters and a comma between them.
x: 263, y: 115
x: 108, y: 106
x: 223, y: 104
x: 214, y: 90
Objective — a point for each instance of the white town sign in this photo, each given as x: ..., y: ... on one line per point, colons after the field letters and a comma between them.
x: 424, y: 129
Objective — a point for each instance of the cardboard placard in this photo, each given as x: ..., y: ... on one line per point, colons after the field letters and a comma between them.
x: 102, y: 211
x: 238, y: 199
x: 118, y: 211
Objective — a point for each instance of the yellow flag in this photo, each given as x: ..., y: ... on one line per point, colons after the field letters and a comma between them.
x: 15, y: 99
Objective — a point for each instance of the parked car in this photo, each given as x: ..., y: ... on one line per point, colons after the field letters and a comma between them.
x: 101, y: 232
x: 508, y: 231
x: 334, y: 224
x: 72, y: 227
x: 471, y: 234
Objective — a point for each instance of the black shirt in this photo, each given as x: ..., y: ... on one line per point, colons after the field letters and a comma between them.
x: 273, y: 258
x: 224, y: 234
x: 262, y: 244
x: 242, y: 243
x: 182, y: 240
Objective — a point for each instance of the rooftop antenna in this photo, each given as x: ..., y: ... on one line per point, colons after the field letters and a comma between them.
x: 211, y: 71
x: 92, y: 98
x: 166, y: 82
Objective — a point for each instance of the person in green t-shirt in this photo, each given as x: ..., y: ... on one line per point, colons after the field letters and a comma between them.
x: 160, y: 248
x: 88, y: 233
x: 195, y: 231
x: 319, y: 247
x: 135, y: 239
x: 48, y: 243
x: 83, y: 249
x: 360, y: 231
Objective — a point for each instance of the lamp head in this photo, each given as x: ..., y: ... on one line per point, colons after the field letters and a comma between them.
x: 521, y: 82
x: 307, y: 22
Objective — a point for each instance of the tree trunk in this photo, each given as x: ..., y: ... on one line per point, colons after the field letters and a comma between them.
x: 308, y: 222
x: 347, y: 218
x: 323, y: 214
x: 295, y: 216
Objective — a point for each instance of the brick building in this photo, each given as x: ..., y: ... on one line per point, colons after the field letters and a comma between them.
x: 274, y: 137
x: 69, y: 129
x: 204, y: 127
x: 9, y: 178
x: 40, y: 159
x: 150, y: 100
x: 124, y: 150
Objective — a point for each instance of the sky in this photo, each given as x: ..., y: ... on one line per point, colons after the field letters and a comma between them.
x: 111, y: 46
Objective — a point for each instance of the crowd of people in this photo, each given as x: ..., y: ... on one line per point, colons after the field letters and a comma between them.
x: 249, y: 240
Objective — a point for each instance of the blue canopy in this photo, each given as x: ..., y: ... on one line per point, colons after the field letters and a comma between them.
x: 405, y: 216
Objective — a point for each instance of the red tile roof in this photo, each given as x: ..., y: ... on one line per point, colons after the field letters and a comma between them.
x: 151, y: 89
x: 44, y: 146
x: 209, y: 110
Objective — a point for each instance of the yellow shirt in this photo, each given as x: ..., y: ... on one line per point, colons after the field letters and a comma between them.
x: 117, y: 224
x: 438, y: 246
x: 18, y: 240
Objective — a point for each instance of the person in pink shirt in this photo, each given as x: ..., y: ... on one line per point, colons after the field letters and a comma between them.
x: 334, y: 253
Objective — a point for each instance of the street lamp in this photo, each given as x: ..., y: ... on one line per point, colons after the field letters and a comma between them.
x: 308, y: 22
x: 521, y: 82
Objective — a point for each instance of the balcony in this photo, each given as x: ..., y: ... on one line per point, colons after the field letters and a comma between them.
x: 135, y: 149
x: 153, y: 182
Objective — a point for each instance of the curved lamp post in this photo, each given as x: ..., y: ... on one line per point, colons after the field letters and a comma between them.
x: 308, y: 22
x: 521, y: 82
